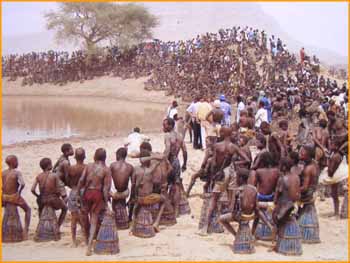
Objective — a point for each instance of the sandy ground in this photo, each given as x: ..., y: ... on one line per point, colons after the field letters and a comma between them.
x: 106, y: 87
x: 176, y: 243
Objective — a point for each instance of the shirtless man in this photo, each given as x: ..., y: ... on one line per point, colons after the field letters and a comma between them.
x: 214, y: 117
x: 96, y: 182
x: 121, y: 175
x: 287, y: 192
x: 12, y: 186
x: 143, y: 181
x: 261, y: 147
x: 246, y: 123
x: 265, y: 179
x: 245, y: 205
x: 74, y: 174
x: 338, y: 132
x: 49, y: 187
x: 309, y: 175
x: 223, y: 152
x: 173, y: 144
x: 61, y: 167
x: 320, y: 136
x: 284, y: 135
x: 273, y: 144
x: 333, y: 165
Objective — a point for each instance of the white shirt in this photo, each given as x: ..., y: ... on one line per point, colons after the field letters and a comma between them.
x: 134, y: 141
x: 171, y: 112
x: 260, y: 116
x: 240, y: 107
x: 192, y: 109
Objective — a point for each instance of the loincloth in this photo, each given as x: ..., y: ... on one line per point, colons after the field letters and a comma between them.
x: 120, y: 195
x: 340, y: 174
x: 52, y: 200
x: 232, y: 178
x: 93, y: 200
x: 174, y: 176
x: 283, y: 211
x: 265, y: 198
x: 14, y: 199
x: 73, y: 201
x: 149, y: 199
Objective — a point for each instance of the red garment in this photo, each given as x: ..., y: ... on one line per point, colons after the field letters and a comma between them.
x: 93, y: 200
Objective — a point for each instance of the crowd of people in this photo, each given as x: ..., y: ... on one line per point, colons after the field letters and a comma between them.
x: 230, y: 61
x: 256, y: 167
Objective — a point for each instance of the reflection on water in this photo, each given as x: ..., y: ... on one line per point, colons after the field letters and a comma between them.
x: 36, y: 118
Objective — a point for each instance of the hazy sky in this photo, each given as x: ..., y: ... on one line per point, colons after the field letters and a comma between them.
x: 323, y: 25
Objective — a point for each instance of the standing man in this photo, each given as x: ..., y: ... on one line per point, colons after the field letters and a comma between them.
x: 96, y: 182
x: 261, y: 115
x: 226, y: 108
x: 172, y: 110
x: 173, y: 144
x: 74, y: 174
x: 61, y: 168
x: 203, y: 110
x: 121, y: 172
x: 240, y: 107
x: 192, y: 110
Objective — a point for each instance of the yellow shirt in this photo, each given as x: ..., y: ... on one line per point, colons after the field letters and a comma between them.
x: 203, y: 109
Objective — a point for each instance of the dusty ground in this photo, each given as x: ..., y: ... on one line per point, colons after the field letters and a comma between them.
x: 176, y: 243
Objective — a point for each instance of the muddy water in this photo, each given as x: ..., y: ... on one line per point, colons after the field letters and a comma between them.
x: 37, y: 118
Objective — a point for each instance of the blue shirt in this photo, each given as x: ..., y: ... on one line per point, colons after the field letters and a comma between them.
x: 226, y: 108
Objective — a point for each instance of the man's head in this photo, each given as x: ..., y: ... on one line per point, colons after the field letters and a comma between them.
x: 174, y: 104
x: 12, y: 161
x: 225, y: 132
x: 239, y: 99
x: 260, y: 141
x: 45, y: 164
x: 242, y: 176
x: 306, y: 152
x: 168, y: 125
x: 146, y: 146
x: 145, y: 153
x: 222, y: 97
x: 67, y: 149
x: 286, y: 164
x: 100, y: 155
x: 283, y: 124
x: 261, y: 104
x: 266, y: 159
x: 121, y: 153
x: 265, y: 128
x: 79, y: 154
x: 137, y: 129
x: 323, y: 123
x: 243, y: 140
